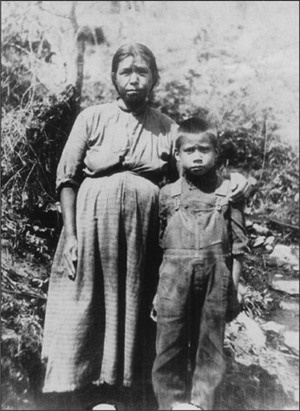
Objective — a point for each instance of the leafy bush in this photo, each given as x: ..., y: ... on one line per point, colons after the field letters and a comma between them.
x: 32, y: 142
x: 33, y: 139
x: 21, y: 367
x: 256, y: 303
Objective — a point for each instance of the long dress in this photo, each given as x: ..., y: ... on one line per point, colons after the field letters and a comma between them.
x: 91, y: 324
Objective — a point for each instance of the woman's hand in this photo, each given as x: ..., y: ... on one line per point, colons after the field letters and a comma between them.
x: 68, y: 199
x: 70, y: 256
x: 153, y: 313
x: 240, y: 187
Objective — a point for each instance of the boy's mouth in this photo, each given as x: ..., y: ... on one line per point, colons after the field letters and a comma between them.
x: 198, y: 170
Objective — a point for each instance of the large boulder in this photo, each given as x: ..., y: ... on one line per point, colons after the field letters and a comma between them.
x: 287, y: 286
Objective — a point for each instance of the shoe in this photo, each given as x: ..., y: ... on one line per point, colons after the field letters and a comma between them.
x: 186, y: 406
x: 104, y: 407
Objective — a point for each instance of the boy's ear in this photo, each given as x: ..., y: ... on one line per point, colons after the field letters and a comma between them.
x: 217, y: 151
x: 177, y: 156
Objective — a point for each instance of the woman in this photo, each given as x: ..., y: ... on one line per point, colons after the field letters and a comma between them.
x: 116, y: 157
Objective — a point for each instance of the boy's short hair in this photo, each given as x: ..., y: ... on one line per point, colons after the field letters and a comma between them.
x: 195, y: 125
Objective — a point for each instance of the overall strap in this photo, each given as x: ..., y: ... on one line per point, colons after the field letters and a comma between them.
x: 176, y: 193
x: 222, y: 194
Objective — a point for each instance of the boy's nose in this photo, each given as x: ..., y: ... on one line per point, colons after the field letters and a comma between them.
x: 133, y: 78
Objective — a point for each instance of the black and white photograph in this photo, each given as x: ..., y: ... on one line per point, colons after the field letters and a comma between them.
x: 150, y: 205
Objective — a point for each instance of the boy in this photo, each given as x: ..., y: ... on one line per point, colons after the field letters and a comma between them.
x: 203, y: 238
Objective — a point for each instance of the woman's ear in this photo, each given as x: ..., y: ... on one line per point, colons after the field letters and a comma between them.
x: 113, y: 79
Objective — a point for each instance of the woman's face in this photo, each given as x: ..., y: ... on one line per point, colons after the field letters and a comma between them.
x: 133, y: 80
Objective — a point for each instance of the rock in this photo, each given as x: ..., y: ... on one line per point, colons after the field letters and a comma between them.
x: 289, y: 305
x: 270, y: 240
x: 269, y: 248
x: 295, y: 250
x: 278, y: 275
x: 259, y: 229
x: 186, y: 406
x: 259, y: 241
x: 253, y: 331
x: 248, y: 223
x: 285, y: 254
x: 246, y: 340
x: 291, y: 339
x: 269, y: 243
x: 272, y: 326
x: 288, y: 286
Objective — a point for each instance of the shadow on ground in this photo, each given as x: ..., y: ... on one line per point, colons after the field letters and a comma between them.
x: 251, y: 388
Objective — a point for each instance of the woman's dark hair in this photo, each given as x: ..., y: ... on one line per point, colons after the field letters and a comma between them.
x: 134, y: 49
x: 195, y: 125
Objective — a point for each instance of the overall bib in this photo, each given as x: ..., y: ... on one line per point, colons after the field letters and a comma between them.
x: 194, y: 299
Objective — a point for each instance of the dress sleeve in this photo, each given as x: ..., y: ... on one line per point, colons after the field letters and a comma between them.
x: 238, y: 229
x: 173, y: 168
x: 71, y: 162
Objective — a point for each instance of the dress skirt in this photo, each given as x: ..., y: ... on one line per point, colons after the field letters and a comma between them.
x: 91, y: 324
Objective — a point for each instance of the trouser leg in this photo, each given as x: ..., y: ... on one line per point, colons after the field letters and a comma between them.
x: 170, y: 374
x: 209, y: 360
x: 209, y: 367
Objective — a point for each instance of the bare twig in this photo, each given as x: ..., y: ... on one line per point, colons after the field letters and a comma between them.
x: 13, y: 272
x: 53, y: 13
x: 285, y: 225
x: 264, y: 133
x: 23, y: 293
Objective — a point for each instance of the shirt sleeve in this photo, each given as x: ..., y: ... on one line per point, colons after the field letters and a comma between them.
x: 71, y: 162
x: 238, y: 229
x: 163, y: 214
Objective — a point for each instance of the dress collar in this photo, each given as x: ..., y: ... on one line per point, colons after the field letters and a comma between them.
x: 123, y: 107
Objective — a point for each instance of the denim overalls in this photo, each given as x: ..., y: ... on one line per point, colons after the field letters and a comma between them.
x: 193, y: 296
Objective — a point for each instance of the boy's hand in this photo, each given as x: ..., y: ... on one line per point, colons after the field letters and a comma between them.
x: 153, y: 313
x: 242, y: 289
x: 70, y: 256
x: 240, y: 187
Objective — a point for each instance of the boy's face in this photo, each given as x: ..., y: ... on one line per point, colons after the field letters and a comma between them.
x: 197, y: 155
